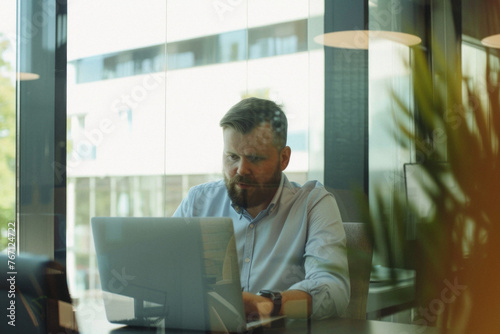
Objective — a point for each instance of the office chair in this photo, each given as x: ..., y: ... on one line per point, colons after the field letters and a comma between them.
x: 359, y: 258
x: 34, y: 293
x: 348, y: 203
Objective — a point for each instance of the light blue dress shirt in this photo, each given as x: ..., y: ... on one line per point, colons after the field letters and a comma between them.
x: 297, y: 243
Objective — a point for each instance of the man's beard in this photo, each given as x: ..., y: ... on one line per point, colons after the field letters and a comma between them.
x: 258, y: 194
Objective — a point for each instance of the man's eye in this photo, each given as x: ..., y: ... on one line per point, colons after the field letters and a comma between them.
x: 232, y: 157
x: 254, y: 159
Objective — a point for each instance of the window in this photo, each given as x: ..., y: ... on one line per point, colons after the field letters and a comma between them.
x: 7, y: 121
x: 145, y: 102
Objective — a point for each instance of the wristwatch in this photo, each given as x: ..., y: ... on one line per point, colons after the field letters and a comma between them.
x: 275, y: 297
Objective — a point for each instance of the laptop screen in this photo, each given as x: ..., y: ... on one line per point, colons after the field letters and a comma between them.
x: 167, y: 271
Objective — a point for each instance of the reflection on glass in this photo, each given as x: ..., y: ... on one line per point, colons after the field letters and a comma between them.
x: 144, y: 102
x: 174, y: 262
x: 388, y: 77
x: 7, y: 121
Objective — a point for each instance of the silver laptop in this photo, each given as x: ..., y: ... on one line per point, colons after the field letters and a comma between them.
x: 171, y: 272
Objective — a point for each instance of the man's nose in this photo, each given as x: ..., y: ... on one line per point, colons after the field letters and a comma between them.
x: 243, y: 167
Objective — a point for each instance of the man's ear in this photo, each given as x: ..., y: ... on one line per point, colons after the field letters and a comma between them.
x: 285, y: 154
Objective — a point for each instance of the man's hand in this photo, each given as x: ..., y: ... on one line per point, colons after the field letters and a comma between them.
x: 295, y: 304
x: 256, y: 307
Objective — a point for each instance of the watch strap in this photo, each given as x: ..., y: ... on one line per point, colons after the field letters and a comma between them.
x: 275, y: 297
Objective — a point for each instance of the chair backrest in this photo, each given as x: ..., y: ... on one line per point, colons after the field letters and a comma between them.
x: 348, y: 203
x: 359, y: 257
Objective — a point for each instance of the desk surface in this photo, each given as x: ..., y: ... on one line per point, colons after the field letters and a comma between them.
x: 341, y: 326
x: 382, y: 298
x: 91, y: 319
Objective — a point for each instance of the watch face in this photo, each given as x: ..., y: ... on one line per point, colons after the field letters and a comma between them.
x: 265, y: 293
x: 269, y: 293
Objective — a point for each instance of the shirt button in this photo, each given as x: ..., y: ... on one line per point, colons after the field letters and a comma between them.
x: 251, y: 225
x: 247, y: 260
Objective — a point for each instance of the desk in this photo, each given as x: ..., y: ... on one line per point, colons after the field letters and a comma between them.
x: 341, y: 326
x: 386, y: 299
x: 92, y: 320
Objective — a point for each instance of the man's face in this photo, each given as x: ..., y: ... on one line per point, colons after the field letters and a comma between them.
x: 252, y: 166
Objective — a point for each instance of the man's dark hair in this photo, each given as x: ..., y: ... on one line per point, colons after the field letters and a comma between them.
x: 249, y: 113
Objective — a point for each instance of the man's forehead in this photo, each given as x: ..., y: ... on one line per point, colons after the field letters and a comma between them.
x: 259, y: 137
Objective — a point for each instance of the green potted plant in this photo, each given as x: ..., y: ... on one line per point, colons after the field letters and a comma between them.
x: 458, y: 241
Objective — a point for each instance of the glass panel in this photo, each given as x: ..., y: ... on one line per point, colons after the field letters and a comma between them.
x: 7, y: 123
x: 116, y: 122
x: 144, y: 103
x: 278, y: 69
x: 204, y: 83
x: 316, y: 92
x: 389, y: 76
x: 474, y: 63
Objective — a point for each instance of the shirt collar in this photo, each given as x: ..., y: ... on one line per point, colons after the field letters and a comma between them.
x: 274, y: 202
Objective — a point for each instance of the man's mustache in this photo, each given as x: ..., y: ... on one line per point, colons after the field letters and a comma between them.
x: 242, y: 179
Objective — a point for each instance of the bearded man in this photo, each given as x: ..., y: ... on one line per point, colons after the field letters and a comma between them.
x: 289, y: 238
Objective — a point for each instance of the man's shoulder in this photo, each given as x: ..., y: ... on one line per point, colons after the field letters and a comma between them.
x: 201, y: 198
x: 209, y: 187
x: 311, y: 191
x: 212, y: 189
x: 308, y: 187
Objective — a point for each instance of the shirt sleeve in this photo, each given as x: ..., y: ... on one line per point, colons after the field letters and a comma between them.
x: 326, y: 267
x: 185, y: 208
x: 201, y: 200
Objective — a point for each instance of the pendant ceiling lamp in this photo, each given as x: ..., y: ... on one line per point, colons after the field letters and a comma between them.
x: 492, y: 41
x: 481, y: 22
x: 26, y: 76
x: 360, y: 39
x: 353, y: 24
x: 490, y: 23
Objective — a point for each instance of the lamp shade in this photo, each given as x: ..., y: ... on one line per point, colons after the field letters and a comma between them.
x: 360, y: 39
x: 481, y: 21
x: 353, y: 24
x: 27, y: 76
x: 492, y: 41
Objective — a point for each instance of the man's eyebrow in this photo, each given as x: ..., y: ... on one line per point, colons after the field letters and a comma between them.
x: 255, y: 156
x: 248, y: 156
